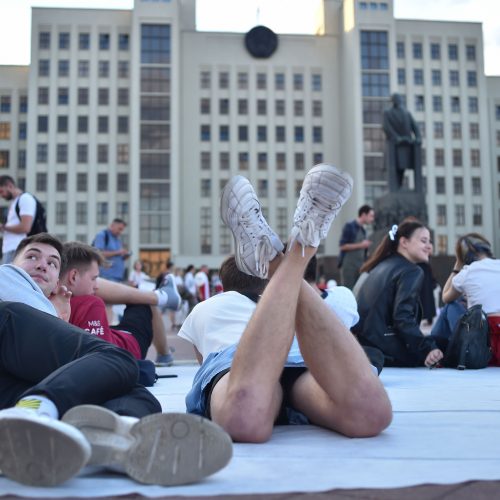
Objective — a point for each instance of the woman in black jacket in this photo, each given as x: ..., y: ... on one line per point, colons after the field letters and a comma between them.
x: 388, y: 302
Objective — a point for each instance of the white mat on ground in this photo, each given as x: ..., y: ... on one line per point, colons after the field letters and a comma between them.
x: 446, y: 429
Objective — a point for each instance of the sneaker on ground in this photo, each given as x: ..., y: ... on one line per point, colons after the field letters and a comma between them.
x: 164, y: 448
x: 40, y: 451
x: 324, y: 191
x: 165, y: 359
x: 168, y: 295
x: 256, y: 244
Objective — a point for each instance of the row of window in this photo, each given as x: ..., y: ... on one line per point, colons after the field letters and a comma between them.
x: 82, y: 182
x: 438, y: 130
x: 84, y: 41
x: 103, y: 68
x: 82, y: 153
x: 103, y: 96
x: 122, y: 124
x: 457, y: 157
x: 261, y: 107
x: 436, y: 79
x: 262, y: 133
x: 263, y: 162
x: 102, y: 215
x: 6, y: 104
x: 458, y: 185
x: 374, y: 6
x: 261, y: 81
x: 435, y: 50
x: 442, y: 218
x: 437, y: 104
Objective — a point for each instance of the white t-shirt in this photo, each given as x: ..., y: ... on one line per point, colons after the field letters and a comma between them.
x: 480, y: 283
x: 27, y: 206
x: 220, y: 321
x: 190, y: 284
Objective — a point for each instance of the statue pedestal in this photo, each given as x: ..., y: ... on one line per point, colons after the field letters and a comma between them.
x: 393, y: 207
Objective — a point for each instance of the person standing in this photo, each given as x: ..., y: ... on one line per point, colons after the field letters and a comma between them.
x: 202, y: 283
x: 354, y: 246
x: 19, y: 222
x: 108, y: 241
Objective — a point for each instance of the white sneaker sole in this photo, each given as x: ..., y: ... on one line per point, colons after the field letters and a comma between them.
x: 40, y: 453
x: 164, y: 448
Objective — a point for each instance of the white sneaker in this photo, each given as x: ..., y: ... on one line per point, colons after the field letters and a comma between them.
x: 163, y: 448
x: 324, y: 191
x: 256, y: 244
x: 39, y: 451
x: 168, y: 294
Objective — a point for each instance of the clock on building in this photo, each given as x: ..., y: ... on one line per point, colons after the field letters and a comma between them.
x: 261, y: 42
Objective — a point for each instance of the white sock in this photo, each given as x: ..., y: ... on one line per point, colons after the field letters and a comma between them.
x: 40, y: 404
x: 162, y: 297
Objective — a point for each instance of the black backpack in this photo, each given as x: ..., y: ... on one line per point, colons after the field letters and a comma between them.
x: 469, y: 345
x: 39, y: 221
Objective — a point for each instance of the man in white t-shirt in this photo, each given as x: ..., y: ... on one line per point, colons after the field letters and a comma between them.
x: 202, y: 283
x: 16, y: 227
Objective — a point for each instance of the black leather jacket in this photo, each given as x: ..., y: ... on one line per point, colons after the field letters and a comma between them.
x: 389, y: 310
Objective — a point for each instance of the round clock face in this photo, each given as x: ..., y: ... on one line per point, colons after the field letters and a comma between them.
x: 261, y: 42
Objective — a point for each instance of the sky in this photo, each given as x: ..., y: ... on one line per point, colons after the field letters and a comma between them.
x: 241, y: 15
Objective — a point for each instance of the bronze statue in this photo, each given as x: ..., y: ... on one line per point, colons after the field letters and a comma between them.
x: 403, y: 145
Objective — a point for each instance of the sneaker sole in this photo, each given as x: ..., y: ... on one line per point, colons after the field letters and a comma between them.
x: 37, y: 454
x: 164, y: 448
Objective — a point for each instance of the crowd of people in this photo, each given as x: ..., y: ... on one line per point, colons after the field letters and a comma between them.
x: 274, y: 347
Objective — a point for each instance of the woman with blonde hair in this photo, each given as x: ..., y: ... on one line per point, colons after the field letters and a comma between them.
x: 388, y: 301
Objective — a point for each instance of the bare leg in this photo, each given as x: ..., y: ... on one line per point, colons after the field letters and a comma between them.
x: 117, y: 293
x: 159, y: 333
x: 340, y: 391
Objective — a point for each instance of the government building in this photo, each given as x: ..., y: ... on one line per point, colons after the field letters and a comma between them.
x: 137, y: 114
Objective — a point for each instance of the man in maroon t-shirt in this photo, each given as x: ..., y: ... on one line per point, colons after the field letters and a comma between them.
x: 135, y: 330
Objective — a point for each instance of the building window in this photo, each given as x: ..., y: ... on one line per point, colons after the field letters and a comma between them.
x: 41, y: 153
x: 298, y: 108
x: 122, y: 154
x: 457, y: 157
x: 374, y: 50
x: 102, y: 153
x: 475, y: 158
x: 21, y: 159
x: 454, y: 78
x: 243, y: 161
x: 279, y: 107
x: 61, y: 212
x: 419, y: 103
x: 453, y: 52
x: 375, y: 84
x: 400, y: 50
x: 205, y: 160
x: 223, y: 80
x: 298, y: 81
x: 455, y: 104
x: 317, y: 108
x: 262, y: 161
x: 63, y: 67
x: 43, y: 95
x: 280, y: 188
x: 81, y: 182
x: 279, y: 81
x: 459, y: 215
x: 104, y: 41
x: 242, y: 107
x: 261, y: 107
x: 123, y: 41
x: 44, y: 40
x: 437, y: 103
x: 103, y: 69
x: 261, y: 133
x: 102, y: 182
x: 83, y: 69
x: 84, y: 41
x: 401, y: 76
x: 82, y: 153
x: 205, y: 132
x: 439, y: 157
x: 62, y: 123
x: 41, y: 182
x: 102, y: 212
x: 243, y: 81
x: 4, y: 158
x: 417, y: 50
x: 223, y: 106
x: 63, y: 41
x: 441, y: 215
x: 316, y: 82
x: 498, y: 138
x: 280, y: 133
x: 317, y: 134
x: 458, y: 185
x: 473, y: 105
x: 82, y: 124
x: 262, y: 188
x: 474, y: 130
x: 299, y: 161
x: 103, y: 96
x: 205, y: 79
x: 298, y: 134
x: 122, y: 125
x: 102, y: 124
x: 470, y: 52
x: 438, y: 130
x: 471, y: 79
x: 224, y: 133
x: 61, y: 182
x: 280, y: 161
x: 476, y: 185
x: 81, y: 212
x: 418, y: 77
x: 43, y: 67
x: 62, y: 96
x: 224, y: 160
x: 440, y: 185
x: 43, y: 123
x: 435, y: 51
x: 4, y: 130
x: 456, y: 130
x: 242, y: 133
x: 261, y: 81
x: 436, y: 77
x: 123, y: 69
x: 83, y: 96
x: 317, y: 158
x: 206, y: 188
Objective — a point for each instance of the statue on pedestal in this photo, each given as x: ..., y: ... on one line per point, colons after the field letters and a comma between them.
x: 403, y: 145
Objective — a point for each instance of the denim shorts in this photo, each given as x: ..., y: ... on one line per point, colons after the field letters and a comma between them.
x: 217, y: 363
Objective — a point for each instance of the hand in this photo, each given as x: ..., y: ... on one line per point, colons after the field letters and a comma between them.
x: 365, y: 243
x: 60, y: 299
x: 433, y: 357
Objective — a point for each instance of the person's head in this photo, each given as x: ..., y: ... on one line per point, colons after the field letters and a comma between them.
x: 472, y: 247
x: 117, y: 227
x: 81, y: 268
x: 411, y: 239
x: 41, y: 256
x: 233, y: 279
x: 170, y: 266
x: 366, y: 214
x: 8, y: 188
x: 138, y: 265
x: 189, y: 269
x: 204, y: 269
x: 397, y: 100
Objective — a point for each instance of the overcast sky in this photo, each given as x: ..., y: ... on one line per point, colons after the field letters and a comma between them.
x: 241, y: 15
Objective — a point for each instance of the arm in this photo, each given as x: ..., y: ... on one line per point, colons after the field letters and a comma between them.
x: 117, y: 293
x: 60, y: 299
x: 450, y: 293
x: 23, y: 227
x: 100, y: 243
x: 355, y: 246
x: 27, y: 212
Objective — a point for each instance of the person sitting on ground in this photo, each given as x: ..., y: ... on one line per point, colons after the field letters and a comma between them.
x: 475, y: 277
x: 51, y: 369
x: 388, y: 301
x: 135, y: 330
x: 250, y: 386
x: 137, y: 277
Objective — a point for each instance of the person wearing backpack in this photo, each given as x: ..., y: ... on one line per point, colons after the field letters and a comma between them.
x: 474, y: 280
x: 21, y: 216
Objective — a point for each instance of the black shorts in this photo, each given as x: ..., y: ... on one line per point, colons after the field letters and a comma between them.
x: 137, y: 320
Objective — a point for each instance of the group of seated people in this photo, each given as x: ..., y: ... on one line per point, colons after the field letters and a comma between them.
x: 273, y: 348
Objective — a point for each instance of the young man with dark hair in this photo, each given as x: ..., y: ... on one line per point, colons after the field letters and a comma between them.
x: 354, y: 246
x: 17, y: 226
x: 48, y: 366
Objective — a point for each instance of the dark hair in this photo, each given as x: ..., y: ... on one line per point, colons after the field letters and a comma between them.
x: 365, y: 209
x: 471, y: 247
x: 234, y: 279
x: 6, y: 179
x: 117, y: 220
x: 46, y: 239
x: 189, y: 268
x: 80, y: 256
x: 388, y: 247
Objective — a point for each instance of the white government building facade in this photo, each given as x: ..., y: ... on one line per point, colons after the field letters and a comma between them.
x: 136, y: 114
